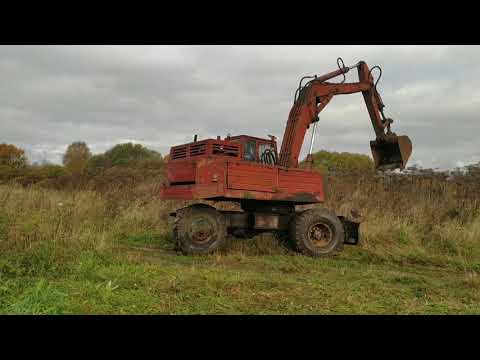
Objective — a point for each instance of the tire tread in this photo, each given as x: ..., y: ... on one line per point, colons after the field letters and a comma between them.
x: 302, y: 220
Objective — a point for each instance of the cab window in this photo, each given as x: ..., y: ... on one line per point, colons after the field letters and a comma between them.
x: 249, y: 151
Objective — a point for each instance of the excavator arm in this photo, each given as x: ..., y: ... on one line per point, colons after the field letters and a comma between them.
x: 389, y: 150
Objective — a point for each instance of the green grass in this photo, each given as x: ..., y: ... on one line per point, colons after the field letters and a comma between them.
x: 156, y: 281
x: 82, y: 258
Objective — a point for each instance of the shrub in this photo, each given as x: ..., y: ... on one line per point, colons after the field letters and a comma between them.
x: 335, y: 163
x: 130, y: 154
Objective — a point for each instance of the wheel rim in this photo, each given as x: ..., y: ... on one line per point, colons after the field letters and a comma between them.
x: 201, y: 231
x: 321, y: 235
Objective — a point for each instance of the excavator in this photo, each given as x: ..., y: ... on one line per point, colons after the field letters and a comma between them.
x: 270, y: 187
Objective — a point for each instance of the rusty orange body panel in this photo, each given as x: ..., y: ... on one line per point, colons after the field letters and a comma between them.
x: 220, y: 176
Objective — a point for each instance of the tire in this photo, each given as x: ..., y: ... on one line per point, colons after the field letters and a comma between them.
x: 317, y: 232
x: 199, y: 230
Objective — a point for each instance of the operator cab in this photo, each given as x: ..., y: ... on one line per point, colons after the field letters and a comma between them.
x: 256, y: 149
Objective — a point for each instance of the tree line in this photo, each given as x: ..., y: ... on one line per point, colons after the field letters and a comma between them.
x: 125, y: 161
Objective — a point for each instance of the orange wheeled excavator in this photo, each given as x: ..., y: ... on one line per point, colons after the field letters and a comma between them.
x: 268, y: 186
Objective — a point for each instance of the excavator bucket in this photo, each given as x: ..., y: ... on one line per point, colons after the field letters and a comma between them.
x: 392, y: 154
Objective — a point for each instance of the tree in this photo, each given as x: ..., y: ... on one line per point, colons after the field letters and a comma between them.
x: 12, y: 156
x: 76, y: 157
x: 129, y: 154
x: 125, y: 155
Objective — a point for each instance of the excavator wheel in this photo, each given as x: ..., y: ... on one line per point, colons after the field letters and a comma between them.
x: 199, y: 229
x: 317, y: 232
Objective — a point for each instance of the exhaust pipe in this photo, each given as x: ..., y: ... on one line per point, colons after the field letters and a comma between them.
x: 391, y: 153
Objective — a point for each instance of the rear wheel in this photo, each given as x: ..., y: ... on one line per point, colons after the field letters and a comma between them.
x: 199, y: 229
x: 317, y: 232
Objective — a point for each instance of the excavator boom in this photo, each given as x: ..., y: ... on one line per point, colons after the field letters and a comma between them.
x: 389, y: 150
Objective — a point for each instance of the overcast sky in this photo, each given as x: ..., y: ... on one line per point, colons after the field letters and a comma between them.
x: 161, y: 96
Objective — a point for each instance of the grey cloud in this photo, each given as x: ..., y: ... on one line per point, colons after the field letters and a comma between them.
x: 162, y: 95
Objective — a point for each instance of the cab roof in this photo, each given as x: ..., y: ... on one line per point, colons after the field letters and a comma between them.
x: 237, y: 137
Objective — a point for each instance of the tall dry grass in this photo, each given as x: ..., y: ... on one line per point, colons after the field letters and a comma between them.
x: 414, y: 219
x: 406, y: 220
x: 46, y: 230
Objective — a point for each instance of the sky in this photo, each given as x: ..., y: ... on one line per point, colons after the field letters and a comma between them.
x: 160, y: 96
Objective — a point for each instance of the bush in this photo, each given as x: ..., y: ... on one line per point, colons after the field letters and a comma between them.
x: 9, y: 173
x: 46, y: 174
x: 130, y: 154
x: 96, y: 165
x: 51, y: 171
x: 342, y: 163
x: 134, y: 156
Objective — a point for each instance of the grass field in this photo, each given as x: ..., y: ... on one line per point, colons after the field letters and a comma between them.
x: 81, y: 252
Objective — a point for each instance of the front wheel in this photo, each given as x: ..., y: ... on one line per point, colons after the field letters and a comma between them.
x: 317, y: 232
x: 199, y: 229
